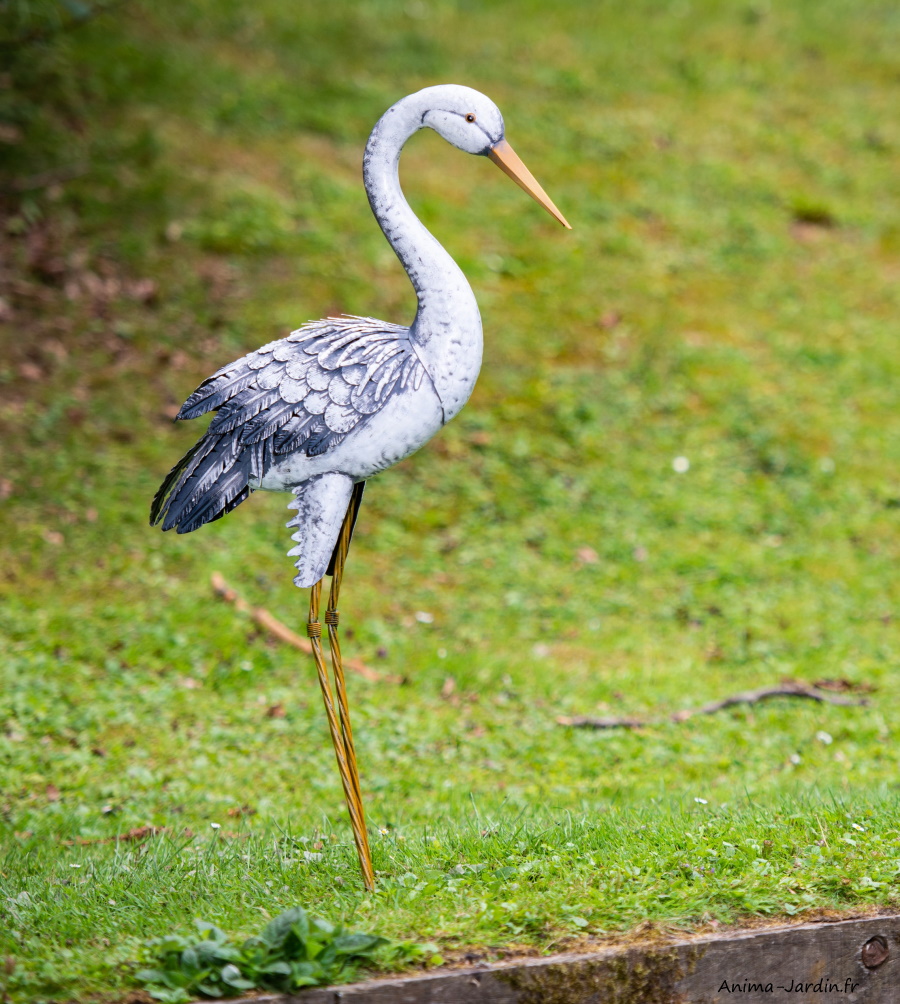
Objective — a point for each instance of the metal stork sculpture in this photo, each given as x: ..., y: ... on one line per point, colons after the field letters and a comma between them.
x: 340, y: 399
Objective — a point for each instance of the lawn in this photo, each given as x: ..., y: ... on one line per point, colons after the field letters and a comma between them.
x: 677, y: 479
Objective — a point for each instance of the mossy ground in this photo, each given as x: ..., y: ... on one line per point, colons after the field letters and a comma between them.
x: 729, y: 295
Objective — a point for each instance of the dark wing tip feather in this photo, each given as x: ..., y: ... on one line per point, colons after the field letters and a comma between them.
x: 223, y: 496
x: 163, y: 495
x: 194, y: 406
x: 211, y: 479
x: 216, y: 390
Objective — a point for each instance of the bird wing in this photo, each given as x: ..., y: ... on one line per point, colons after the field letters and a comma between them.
x: 303, y: 393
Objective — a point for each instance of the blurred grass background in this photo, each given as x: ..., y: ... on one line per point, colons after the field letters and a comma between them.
x: 181, y: 183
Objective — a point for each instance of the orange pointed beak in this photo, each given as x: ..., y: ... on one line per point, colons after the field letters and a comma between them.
x: 503, y: 155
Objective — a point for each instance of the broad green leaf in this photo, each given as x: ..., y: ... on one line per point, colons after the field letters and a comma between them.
x: 279, y: 968
x: 232, y: 976
x: 209, y: 952
x: 302, y: 971
x: 171, y: 996
x: 150, y: 976
x: 209, y: 931
x: 322, y: 927
x: 275, y: 933
x: 325, y: 954
x: 190, y: 960
x: 210, y: 990
x: 358, y: 944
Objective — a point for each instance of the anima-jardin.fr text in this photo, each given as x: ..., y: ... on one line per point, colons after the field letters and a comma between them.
x: 823, y: 986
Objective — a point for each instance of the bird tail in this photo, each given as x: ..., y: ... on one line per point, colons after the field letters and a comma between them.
x: 321, y: 504
x: 210, y: 480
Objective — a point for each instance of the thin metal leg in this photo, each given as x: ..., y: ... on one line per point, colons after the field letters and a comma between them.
x: 331, y: 621
x: 339, y: 717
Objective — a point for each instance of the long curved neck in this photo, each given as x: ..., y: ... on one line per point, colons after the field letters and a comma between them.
x: 447, y: 328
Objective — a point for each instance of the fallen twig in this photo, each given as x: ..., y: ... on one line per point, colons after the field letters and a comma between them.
x: 787, y: 688
x: 588, y: 722
x: 841, y: 685
x: 139, y: 834
x: 282, y: 632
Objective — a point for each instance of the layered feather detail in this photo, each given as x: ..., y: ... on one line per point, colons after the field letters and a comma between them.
x: 304, y: 393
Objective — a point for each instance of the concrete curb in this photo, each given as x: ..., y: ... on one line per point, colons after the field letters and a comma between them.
x: 840, y: 962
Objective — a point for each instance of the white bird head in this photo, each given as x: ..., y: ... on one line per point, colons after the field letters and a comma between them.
x: 466, y: 118
x: 470, y: 121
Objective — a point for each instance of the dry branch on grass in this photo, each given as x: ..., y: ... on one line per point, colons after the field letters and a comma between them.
x: 140, y: 834
x: 787, y: 688
x: 282, y: 632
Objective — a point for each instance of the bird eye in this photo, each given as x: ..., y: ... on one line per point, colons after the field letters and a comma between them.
x: 470, y: 117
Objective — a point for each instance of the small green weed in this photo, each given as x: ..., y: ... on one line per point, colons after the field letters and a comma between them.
x: 293, y: 951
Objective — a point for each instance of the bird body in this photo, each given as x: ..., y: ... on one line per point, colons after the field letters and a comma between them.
x: 349, y: 395
x: 339, y: 400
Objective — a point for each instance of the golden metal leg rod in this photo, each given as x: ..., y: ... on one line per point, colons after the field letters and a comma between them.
x: 339, y: 717
x: 331, y: 620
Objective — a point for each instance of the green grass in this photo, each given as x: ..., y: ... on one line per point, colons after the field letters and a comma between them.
x: 729, y: 294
